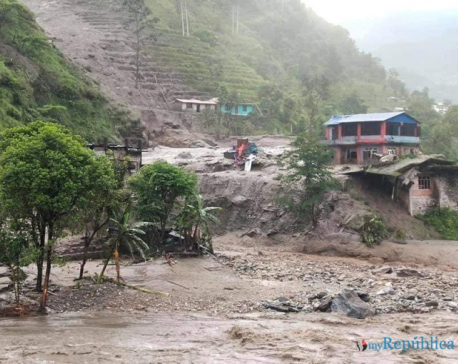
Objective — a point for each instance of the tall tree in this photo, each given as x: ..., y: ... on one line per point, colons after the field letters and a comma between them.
x: 104, y: 196
x: 139, y: 16
x: 158, y: 189
x: 308, y: 177
x: 124, y: 233
x: 44, y: 171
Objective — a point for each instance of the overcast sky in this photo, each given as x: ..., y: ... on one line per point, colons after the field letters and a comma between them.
x: 342, y: 11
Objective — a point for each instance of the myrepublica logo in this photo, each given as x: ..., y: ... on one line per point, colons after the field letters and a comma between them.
x: 361, y: 346
x: 417, y: 343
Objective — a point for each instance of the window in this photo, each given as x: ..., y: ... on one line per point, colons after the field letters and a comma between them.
x: 392, y: 128
x: 371, y: 128
x: 368, y: 152
x: 408, y: 130
x: 392, y: 151
x: 424, y: 183
x: 349, y: 129
x: 351, y: 154
x: 188, y: 106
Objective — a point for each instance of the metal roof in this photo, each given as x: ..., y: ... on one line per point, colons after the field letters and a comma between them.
x: 199, y: 102
x: 397, y: 168
x: 360, y: 118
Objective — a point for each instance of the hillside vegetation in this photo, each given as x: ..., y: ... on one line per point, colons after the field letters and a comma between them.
x: 298, y: 68
x: 37, y: 82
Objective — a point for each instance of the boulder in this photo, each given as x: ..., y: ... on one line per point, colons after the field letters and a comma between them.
x: 348, y: 302
x: 383, y: 270
x: 325, y: 304
x: 184, y: 155
x: 408, y: 273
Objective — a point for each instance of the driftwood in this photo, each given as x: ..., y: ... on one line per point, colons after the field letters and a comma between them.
x: 281, y: 308
x: 179, y: 285
x: 141, y: 289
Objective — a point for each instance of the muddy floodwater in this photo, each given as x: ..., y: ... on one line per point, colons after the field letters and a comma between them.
x: 256, y: 338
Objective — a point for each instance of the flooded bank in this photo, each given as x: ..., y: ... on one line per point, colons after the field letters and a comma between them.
x: 255, y: 338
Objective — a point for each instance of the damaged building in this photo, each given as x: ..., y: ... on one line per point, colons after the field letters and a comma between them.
x: 419, y: 183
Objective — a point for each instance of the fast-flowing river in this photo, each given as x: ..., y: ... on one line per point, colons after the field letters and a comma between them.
x: 258, y: 338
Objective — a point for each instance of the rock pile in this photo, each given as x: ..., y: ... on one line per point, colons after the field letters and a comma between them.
x: 387, y: 289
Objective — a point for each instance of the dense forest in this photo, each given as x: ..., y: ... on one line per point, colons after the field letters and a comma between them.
x: 37, y: 82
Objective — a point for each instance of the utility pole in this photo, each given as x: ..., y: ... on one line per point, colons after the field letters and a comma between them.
x: 238, y: 12
x: 182, y: 18
x: 233, y: 19
x: 187, y: 20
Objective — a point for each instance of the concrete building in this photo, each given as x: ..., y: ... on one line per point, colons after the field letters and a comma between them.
x: 194, y: 105
x: 241, y: 109
x: 357, y: 138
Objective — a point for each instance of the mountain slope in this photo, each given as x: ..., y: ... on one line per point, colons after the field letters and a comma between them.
x: 37, y: 82
x: 422, y: 46
x: 299, y: 69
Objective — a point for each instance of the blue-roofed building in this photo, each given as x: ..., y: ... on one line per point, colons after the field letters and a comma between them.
x: 356, y: 138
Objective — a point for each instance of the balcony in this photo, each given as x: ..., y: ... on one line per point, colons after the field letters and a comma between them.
x: 396, y: 139
x: 372, y: 139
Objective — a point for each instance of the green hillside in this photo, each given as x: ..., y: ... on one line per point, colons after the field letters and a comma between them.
x: 37, y: 82
x: 285, y: 59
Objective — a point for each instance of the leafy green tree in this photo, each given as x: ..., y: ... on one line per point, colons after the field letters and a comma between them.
x: 195, y: 220
x: 315, y: 91
x: 44, y: 171
x: 352, y: 104
x: 124, y: 233
x: 104, y: 196
x: 308, y: 177
x: 158, y: 189
x: 16, y: 252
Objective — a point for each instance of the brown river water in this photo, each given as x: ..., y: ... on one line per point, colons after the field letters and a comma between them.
x: 255, y: 338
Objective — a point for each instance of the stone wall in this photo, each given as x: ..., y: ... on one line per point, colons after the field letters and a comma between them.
x: 422, y: 204
x: 448, y: 192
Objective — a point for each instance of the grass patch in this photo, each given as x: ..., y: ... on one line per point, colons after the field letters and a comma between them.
x: 445, y: 221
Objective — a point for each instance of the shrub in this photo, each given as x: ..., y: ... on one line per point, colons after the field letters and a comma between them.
x: 445, y: 221
x: 373, y: 231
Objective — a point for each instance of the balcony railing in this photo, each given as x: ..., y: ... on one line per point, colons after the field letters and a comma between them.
x: 389, y: 139
x: 397, y: 139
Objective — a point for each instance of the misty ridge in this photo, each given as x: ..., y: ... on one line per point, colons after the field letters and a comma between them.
x: 422, y: 46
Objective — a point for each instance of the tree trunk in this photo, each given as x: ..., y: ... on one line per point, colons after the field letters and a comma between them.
x: 40, y: 260
x: 41, y: 257
x: 116, y: 256
x: 83, y: 263
x: 137, y: 55
x: 87, y: 243
x: 48, y: 268
x: 17, y: 287
x: 99, y: 280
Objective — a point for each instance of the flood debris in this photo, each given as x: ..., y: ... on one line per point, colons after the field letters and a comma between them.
x: 349, y: 303
x: 244, y: 154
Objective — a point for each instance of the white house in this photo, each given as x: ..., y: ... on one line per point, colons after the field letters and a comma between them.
x: 195, y: 105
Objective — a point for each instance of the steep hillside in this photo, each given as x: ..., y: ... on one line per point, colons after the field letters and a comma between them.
x: 37, y: 82
x: 276, y: 44
x: 299, y: 69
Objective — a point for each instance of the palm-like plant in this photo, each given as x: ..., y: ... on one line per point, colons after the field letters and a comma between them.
x: 195, y: 222
x: 123, y: 233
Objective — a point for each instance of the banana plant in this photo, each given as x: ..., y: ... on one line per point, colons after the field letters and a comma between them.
x: 123, y: 233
